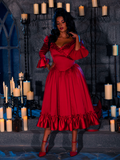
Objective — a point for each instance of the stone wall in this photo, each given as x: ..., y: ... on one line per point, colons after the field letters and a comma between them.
x: 108, y: 34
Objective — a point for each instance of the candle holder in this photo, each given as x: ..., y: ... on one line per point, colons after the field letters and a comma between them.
x: 29, y: 105
x: 117, y: 126
x: 16, y: 104
x: 108, y: 109
x: 17, y: 124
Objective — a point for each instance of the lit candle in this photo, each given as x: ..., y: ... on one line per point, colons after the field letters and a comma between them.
x: 119, y: 111
x: 21, y: 76
x: 36, y: 8
x: 9, y: 125
x: 11, y: 86
x: 1, y: 112
x: 30, y: 95
x: 104, y: 10
x: 112, y: 125
x: 68, y: 7
x: 25, y: 126
x: 108, y: 91
x: 94, y: 3
x: 23, y: 112
x: 115, y: 50
x: 24, y: 16
x: 26, y: 87
x: 51, y: 3
x: 16, y: 92
x: 81, y: 11
x: 59, y: 5
x: 118, y: 86
x: 113, y: 111
x: 43, y: 8
x: 9, y: 113
x: 6, y: 92
x: 2, y: 128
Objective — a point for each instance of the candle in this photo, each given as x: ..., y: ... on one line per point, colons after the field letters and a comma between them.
x: 26, y: 87
x: 6, y: 92
x: 16, y: 92
x: 23, y: 112
x: 21, y: 92
x: 51, y: 3
x: 43, y: 8
x: 11, y: 86
x: 25, y: 126
x: 1, y: 112
x: 104, y: 10
x: 24, y: 16
x: 36, y: 8
x: 119, y: 111
x: 30, y: 95
x: 94, y: 3
x: 81, y: 11
x: 9, y: 113
x: 4, y: 88
x: 118, y: 86
x: 108, y: 91
x: 59, y: 5
x: 21, y: 76
x: 2, y: 128
x: 68, y: 7
x: 113, y: 111
x: 112, y: 125
x: 9, y: 125
x: 115, y: 50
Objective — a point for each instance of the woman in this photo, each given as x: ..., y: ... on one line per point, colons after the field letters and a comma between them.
x: 66, y: 103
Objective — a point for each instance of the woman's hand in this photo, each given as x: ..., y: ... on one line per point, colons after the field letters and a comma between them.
x: 74, y: 35
x: 77, y: 37
x: 50, y: 67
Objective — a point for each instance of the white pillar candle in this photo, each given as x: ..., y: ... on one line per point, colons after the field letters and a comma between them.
x: 112, y: 125
x: 113, y: 111
x: 23, y: 112
x: 108, y: 91
x: 119, y: 111
x: 16, y: 92
x: 1, y: 112
x: 21, y: 76
x: 59, y: 5
x: 118, y: 86
x: 51, y: 3
x: 94, y: 3
x: 21, y: 92
x: 24, y: 16
x: 68, y: 7
x: 81, y: 11
x: 36, y: 8
x: 115, y: 50
x: 43, y: 8
x: 104, y: 10
x: 30, y: 95
x: 25, y: 125
x: 11, y: 87
x: 9, y: 125
x: 6, y: 92
x: 2, y: 128
x: 26, y: 87
x: 9, y: 113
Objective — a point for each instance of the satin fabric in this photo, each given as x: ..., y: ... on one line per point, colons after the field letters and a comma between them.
x: 66, y: 103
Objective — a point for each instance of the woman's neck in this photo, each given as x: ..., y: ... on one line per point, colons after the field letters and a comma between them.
x: 63, y: 35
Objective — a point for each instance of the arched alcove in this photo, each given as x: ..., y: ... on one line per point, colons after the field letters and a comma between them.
x: 9, y: 47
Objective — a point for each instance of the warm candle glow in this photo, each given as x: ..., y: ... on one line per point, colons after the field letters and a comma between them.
x: 81, y: 11
x: 25, y: 126
x: 94, y: 3
x: 51, y: 3
x: 112, y: 125
x: 68, y: 7
x: 24, y: 16
x: 9, y: 113
x: 1, y: 112
x: 2, y: 128
x: 113, y: 111
x: 115, y: 50
x: 108, y: 91
x: 36, y: 8
x: 26, y: 87
x: 23, y: 112
x: 30, y: 95
x: 9, y: 125
x: 43, y: 8
x: 6, y: 92
x: 118, y: 86
x: 59, y: 5
x: 104, y: 10
x: 16, y: 92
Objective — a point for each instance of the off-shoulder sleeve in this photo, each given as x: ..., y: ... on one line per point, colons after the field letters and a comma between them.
x: 43, y: 59
x: 79, y: 54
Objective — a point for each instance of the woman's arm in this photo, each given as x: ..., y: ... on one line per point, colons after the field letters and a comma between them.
x: 77, y: 45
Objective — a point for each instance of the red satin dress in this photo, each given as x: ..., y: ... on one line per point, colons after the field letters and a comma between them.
x: 66, y: 103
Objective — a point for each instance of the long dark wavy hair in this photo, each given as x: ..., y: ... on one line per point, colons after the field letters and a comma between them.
x: 69, y: 22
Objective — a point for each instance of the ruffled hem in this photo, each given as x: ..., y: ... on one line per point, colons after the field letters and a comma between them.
x: 42, y: 62
x: 62, y: 123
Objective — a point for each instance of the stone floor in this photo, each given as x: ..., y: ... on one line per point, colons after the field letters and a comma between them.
x: 24, y: 153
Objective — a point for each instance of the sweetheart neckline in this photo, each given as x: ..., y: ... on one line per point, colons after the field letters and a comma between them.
x: 65, y: 44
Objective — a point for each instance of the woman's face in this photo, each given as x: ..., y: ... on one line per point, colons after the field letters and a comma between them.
x: 61, y: 24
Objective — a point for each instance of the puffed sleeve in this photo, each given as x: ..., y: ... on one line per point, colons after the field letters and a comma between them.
x: 43, y: 59
x: 79, y: 54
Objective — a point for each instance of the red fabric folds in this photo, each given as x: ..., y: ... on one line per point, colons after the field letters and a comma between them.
x: 42, y: 62
x: 62, y: 123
